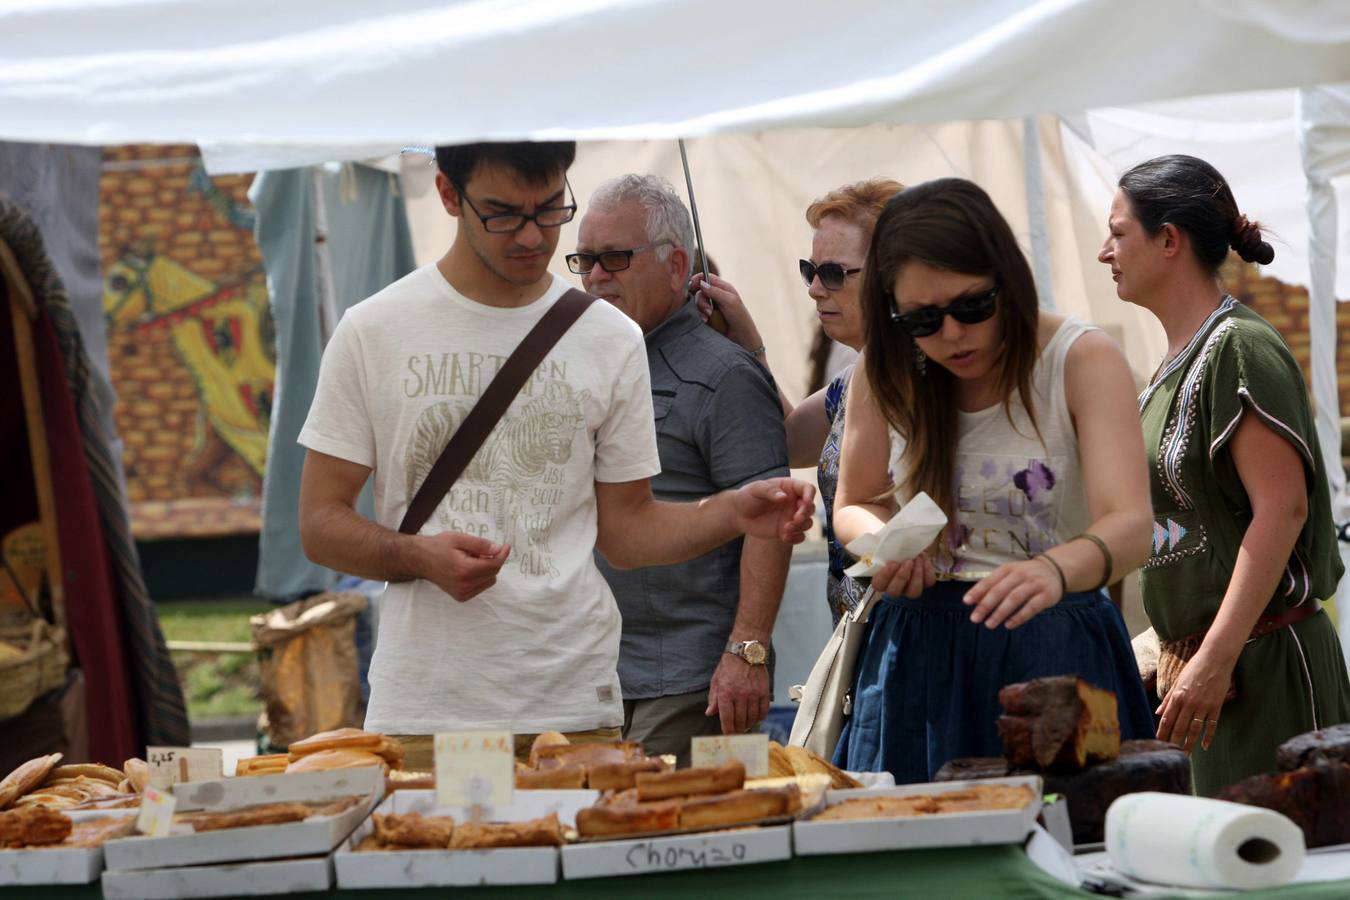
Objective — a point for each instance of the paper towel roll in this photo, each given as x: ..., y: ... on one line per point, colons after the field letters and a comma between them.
x: 1196, y: 842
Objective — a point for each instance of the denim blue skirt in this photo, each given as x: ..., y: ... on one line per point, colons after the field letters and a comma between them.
x: 927, y: 680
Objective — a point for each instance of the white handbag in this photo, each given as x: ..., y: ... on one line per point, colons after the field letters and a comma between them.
x: 827, y: 697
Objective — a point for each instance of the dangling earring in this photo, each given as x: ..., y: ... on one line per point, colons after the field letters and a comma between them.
x: 920, y: 359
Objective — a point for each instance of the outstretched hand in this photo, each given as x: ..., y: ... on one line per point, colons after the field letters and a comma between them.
x: 775, y: 508
x: 1013, y: 593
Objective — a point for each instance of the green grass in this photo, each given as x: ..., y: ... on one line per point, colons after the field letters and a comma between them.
x: 214, y: 684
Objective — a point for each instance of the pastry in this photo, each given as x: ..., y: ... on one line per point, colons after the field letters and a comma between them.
x: 91, y: 771
x: 323, y: 760
x: 628, y: 818
x: 542, y: 832
x: 268, y: 814
x: 982, y: 798
x: 1060, y: 721
x: 730, y: 776
x: 271, y: 764
x: 738, y: 807
x: 25, y: 778
x: 137, y: 772
x: 547, y: 739
x: 34, y: 826
x: 347, y: 738
x: 1325, y: 745
x: 555, y: 755
x: 413, y: 829
x: 400, y: 780
x: 620, y: 776
x: 566, y: 778
x: 807, y: 762
x: 94, y: 832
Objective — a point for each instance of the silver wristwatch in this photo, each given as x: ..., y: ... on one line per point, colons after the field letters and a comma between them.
x: 753, y: 652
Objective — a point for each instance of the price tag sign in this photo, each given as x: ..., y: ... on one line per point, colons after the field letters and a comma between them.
x: 156, y: 816
x: 175, y: 765
x: 714, y: 750
x: 475, y: 768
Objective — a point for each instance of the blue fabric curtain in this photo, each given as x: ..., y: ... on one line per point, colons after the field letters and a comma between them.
x: 371, y: 246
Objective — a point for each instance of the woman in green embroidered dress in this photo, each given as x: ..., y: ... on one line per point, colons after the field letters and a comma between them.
x: 1243, y: 540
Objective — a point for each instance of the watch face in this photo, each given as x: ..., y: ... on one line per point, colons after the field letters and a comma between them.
x: 755, y: 654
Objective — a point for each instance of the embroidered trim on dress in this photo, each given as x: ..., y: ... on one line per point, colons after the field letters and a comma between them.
x: 1178, y: 434
x: 1166, y: 559
x: 1224, y: 307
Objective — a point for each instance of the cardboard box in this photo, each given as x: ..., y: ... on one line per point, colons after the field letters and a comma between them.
x: 312, y: 837
x: 57, y: 865
x: 1003, y: 826
x: 230, y: 880
x: 705, y: 850
x: 449, y: 868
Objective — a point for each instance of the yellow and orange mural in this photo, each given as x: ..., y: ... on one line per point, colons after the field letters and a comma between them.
x: 190, y: 341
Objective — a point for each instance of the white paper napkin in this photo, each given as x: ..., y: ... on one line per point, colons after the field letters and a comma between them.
x: 905, y: 536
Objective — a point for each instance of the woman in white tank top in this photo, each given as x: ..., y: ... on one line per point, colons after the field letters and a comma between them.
x: 1020, y: 424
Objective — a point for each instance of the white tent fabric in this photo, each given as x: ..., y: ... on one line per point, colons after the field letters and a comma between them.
x: 110, y: 71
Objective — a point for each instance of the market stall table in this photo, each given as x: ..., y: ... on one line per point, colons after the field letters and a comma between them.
x: 969, y: 872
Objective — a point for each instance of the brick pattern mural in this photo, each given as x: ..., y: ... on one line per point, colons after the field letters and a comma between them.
x: 1286, y: 307
x: 190, y: 340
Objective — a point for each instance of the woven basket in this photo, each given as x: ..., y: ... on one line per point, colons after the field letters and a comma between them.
x: 33, y: 661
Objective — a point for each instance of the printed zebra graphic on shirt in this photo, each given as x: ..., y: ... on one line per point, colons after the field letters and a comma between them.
x: 527, y: 448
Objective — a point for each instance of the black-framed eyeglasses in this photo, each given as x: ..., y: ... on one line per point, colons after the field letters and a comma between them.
x: 505, y: 223
x: 968, y: 310
x: 609, y: 260
x: 832, y: 274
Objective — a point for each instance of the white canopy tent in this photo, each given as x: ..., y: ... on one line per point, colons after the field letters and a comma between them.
x: 1039, y: 100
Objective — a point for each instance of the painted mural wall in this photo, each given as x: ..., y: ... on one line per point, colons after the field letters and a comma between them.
x: 190, y: 341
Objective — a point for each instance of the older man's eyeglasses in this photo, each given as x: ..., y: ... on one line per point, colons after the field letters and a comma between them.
x: 831, y: 274
x: 609, y: 260
x: 505, y: 223
x: 968, y: 310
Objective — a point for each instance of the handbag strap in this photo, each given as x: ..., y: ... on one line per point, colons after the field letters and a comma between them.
x: 480, y: 421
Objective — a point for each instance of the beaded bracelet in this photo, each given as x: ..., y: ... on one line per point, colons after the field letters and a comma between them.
x: 759, y: 351
x: 1106, y: 557
x: 1063, y: 583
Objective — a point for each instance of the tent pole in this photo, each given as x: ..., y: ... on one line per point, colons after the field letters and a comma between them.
x: 1036, y: 214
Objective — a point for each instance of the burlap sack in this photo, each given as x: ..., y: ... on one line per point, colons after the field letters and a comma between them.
x: 308, y: 664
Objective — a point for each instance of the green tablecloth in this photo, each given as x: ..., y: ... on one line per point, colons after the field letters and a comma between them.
x: 968, y: 872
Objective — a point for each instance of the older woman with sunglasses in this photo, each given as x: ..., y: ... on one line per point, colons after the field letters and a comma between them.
x: 843, y: 221
x: 1019, y: 424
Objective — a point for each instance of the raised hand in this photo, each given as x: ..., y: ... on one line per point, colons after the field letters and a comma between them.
x: 775, y: 508
x: 460, y: 564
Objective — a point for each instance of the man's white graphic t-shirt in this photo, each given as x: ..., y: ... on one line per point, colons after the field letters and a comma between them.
x: 538, y: 650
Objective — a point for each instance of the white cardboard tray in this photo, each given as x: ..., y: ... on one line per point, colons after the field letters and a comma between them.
x: 74, y: 865
x: 1004, y: 826
x: 450, y: 868
x: 705, y: 850
x: 314, y: 836
x: 282, y: 876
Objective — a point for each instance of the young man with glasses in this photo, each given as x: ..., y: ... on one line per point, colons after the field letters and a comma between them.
x: 496, y: 616
x: 694, y: 656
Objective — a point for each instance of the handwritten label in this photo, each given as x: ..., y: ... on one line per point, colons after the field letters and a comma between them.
x: 475, y: 768
x: 751, y: 749
x: 652, y: 857
x: 175, y: 765
x: 156, y: 816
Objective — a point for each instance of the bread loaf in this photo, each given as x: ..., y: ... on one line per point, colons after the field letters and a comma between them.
x: 1325, y: 745
x: 1058, y: 722
x: 1314, y: 797
x: 730, y: 776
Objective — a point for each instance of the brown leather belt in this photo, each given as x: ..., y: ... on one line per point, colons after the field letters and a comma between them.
x: 1174, y: 655
x: 1266, y: 624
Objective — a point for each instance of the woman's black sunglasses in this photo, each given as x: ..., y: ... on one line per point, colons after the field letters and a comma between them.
x: 968, y: 310
x: 832, y: 274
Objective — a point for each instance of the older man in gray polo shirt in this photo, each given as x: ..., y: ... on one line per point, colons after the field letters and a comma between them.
x: 694, y: 653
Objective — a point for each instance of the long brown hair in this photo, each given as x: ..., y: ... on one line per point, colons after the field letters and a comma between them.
x: 951, y: 224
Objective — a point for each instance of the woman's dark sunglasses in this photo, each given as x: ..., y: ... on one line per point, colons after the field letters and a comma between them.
x: 969, y: 310
x: 832, y: 274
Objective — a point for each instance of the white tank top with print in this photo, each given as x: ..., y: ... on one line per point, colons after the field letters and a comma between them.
x: 1016, y: 496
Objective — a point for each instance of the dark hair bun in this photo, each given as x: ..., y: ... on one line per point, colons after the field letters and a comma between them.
x: 1248, y: 244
